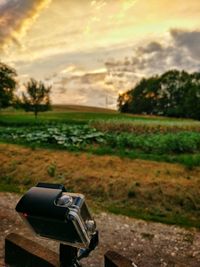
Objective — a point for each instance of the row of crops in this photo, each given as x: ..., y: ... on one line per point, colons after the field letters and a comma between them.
x: 148, y: 126
x: 64, y: 136
x: 84, y: 136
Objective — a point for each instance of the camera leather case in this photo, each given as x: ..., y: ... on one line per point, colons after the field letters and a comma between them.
x: 54, y: 213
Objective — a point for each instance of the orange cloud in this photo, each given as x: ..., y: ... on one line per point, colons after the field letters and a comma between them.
x: 16, y: 17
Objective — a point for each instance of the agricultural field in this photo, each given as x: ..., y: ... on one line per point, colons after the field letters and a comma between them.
x: 102, y: 131
x: 141, y: 166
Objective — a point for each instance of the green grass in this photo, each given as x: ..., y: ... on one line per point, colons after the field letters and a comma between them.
x: 12, y: 118
x: 9, y: 188
x: 173, y: 218
x: 190, y: 161
x: 177, y: 147
x: 8, y: 184
x: 125, y: 135
x: 22, y: 118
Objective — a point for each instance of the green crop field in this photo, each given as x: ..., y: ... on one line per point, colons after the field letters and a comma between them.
x: 103, y: 131
x: 151, y: 164
x: 71, y: 114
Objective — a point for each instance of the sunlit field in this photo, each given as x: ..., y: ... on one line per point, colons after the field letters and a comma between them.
x: 103, y: 131
x: 81, y: 114
x: 141, y: 166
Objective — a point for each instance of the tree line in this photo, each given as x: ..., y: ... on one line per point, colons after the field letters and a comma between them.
x: 174, y: 94
x: 36, y: 97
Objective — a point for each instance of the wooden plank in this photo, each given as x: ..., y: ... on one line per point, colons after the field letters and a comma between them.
x: 113, y: 259
x: 22, y: 252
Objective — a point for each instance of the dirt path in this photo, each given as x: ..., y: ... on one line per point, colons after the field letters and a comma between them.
x: 148, y: 244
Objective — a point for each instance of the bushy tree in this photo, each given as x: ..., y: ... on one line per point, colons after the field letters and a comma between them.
x: 174, y: 93
x: 191, y: 107
x: 7, y: 85
x: 174, y: 88
x: 37, y: 97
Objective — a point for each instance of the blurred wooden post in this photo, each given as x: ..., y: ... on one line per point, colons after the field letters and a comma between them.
x: 22, y: 252
x: 113, y: 259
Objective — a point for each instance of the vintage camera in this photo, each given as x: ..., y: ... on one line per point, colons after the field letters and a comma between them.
x: 54, y: 213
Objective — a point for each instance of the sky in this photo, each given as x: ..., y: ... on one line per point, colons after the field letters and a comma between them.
x: 89, y: 51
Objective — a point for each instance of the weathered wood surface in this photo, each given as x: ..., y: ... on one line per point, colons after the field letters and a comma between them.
x: 22, y: 252
x: 113, y: 259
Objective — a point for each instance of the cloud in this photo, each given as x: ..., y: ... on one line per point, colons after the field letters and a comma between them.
x: 101, y: 87
x: 81, y: 77
x: 83, y: 88
x: 189, y: 40
x: 152, y: 47
x: 180, y: 50
x: 16, y: 16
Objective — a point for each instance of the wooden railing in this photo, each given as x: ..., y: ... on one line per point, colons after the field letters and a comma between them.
x: 22, y: 252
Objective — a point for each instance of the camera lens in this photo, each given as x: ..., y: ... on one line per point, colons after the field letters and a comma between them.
x: 65, y: 201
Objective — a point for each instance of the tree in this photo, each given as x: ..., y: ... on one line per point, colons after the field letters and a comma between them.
x: 141, y: 99
x: 174, y: 93
x: 36, y: 98
x: 123, y: 102
x: 192, y: 99
x: 145, y: 95
x: 174, y: 87
x: 7, y: 85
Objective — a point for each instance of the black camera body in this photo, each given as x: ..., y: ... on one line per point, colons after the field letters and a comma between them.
x: 54, y: 213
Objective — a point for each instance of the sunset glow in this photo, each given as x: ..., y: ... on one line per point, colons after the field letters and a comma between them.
x: 91, y: 50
